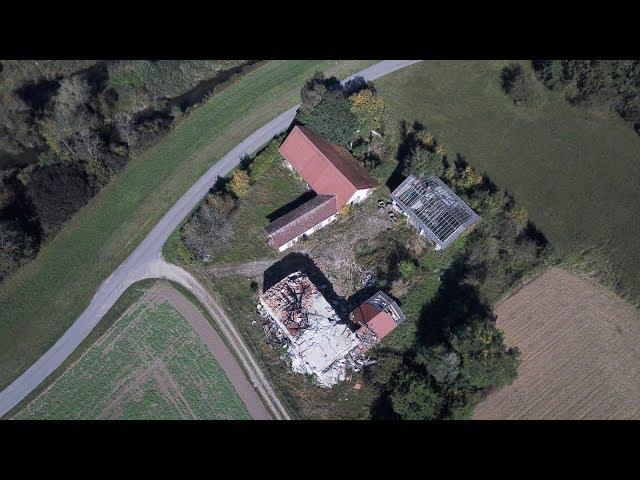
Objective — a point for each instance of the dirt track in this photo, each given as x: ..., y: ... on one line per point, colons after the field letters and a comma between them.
x: 217, y: 348
x: 580, y: 354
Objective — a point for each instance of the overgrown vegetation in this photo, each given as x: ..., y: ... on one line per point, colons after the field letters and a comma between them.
x: 449, y: 354
x: 602, y: 84
x: 66, y: 127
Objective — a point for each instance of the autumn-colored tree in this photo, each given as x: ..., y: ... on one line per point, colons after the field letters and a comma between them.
x: 520, y: 216
x: 368, y: 109
x: 424, y: 137
x: 221, y: 202
x: 468, y: 178
x: 440, y: 150
x: 239, y: 184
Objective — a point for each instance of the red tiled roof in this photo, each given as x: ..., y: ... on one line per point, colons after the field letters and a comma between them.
x: 301, y: 219
x: 328, y: 169
x: 379, y: 321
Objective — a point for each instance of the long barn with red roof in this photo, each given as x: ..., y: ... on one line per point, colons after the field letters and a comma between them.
x: 332, y: 172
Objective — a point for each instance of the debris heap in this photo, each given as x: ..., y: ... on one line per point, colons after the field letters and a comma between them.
x: 304, y: 322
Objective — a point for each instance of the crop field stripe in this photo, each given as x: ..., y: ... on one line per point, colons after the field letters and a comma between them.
x: 150, y: 364
x: 580, y: 358
x: 40, y: 301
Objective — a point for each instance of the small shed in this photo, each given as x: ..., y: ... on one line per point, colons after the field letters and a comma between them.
x: 377, y: 317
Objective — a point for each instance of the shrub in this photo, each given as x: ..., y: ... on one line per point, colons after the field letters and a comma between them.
x: 239, y: 184
x: 407, y: 269
x: 331, y: 118
x: 263, y: 162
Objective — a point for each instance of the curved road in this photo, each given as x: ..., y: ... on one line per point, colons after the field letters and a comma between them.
x: 146, y: 262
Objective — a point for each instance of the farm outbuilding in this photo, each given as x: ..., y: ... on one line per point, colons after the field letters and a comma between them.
x: 377, y: 317
x: 331, y: 172
x: 434, y: 209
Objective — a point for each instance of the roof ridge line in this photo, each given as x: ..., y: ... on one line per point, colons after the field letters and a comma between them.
x: 304, y: 214
x: 328, y: 159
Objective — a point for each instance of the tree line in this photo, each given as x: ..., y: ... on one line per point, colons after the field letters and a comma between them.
x: 67, y: 127
x: 611, y: 85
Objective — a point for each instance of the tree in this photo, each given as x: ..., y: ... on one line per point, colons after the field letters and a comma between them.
x: 7, y: 195
x: 368, y: 109
x: 57, y: 192
x: 208, y: 230
x: 16, y: 246
x: 423, y: 162
x: 315, y: 89
x: 330, y: 117
x: 441, y: 363
x: 468, y: 178
x: 239, y: 184
x: 413, y: 398
x: 486, y: 362
x: 521, y: 86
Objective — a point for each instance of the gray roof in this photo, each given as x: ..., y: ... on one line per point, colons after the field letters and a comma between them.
x: 434, y: 208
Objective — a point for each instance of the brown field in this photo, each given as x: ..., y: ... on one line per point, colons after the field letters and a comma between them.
x: 580, y: 357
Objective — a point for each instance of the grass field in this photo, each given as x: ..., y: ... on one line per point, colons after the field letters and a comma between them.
x: 39, y: 302
x: 580, y: 357
x: 274, y: 191
x: 150, y: 365
x: 576, y: 172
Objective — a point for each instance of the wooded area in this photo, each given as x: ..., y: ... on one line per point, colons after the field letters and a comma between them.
x: 67, y: 127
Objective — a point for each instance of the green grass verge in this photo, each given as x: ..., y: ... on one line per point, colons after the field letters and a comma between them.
x: 150, y: 365
x: 128, y: 298
x: 39, y: 302
x: 577, y: 173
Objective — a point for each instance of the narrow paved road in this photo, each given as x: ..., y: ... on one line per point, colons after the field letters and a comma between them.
x: 146, y: 262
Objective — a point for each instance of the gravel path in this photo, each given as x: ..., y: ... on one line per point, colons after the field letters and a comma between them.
x: 217, y: 348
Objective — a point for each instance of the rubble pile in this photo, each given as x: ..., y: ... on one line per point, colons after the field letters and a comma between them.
x: 299, y: 318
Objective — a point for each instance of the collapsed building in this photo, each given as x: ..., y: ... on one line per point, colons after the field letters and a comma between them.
x: 317, y: 340
x: 434, y: 209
